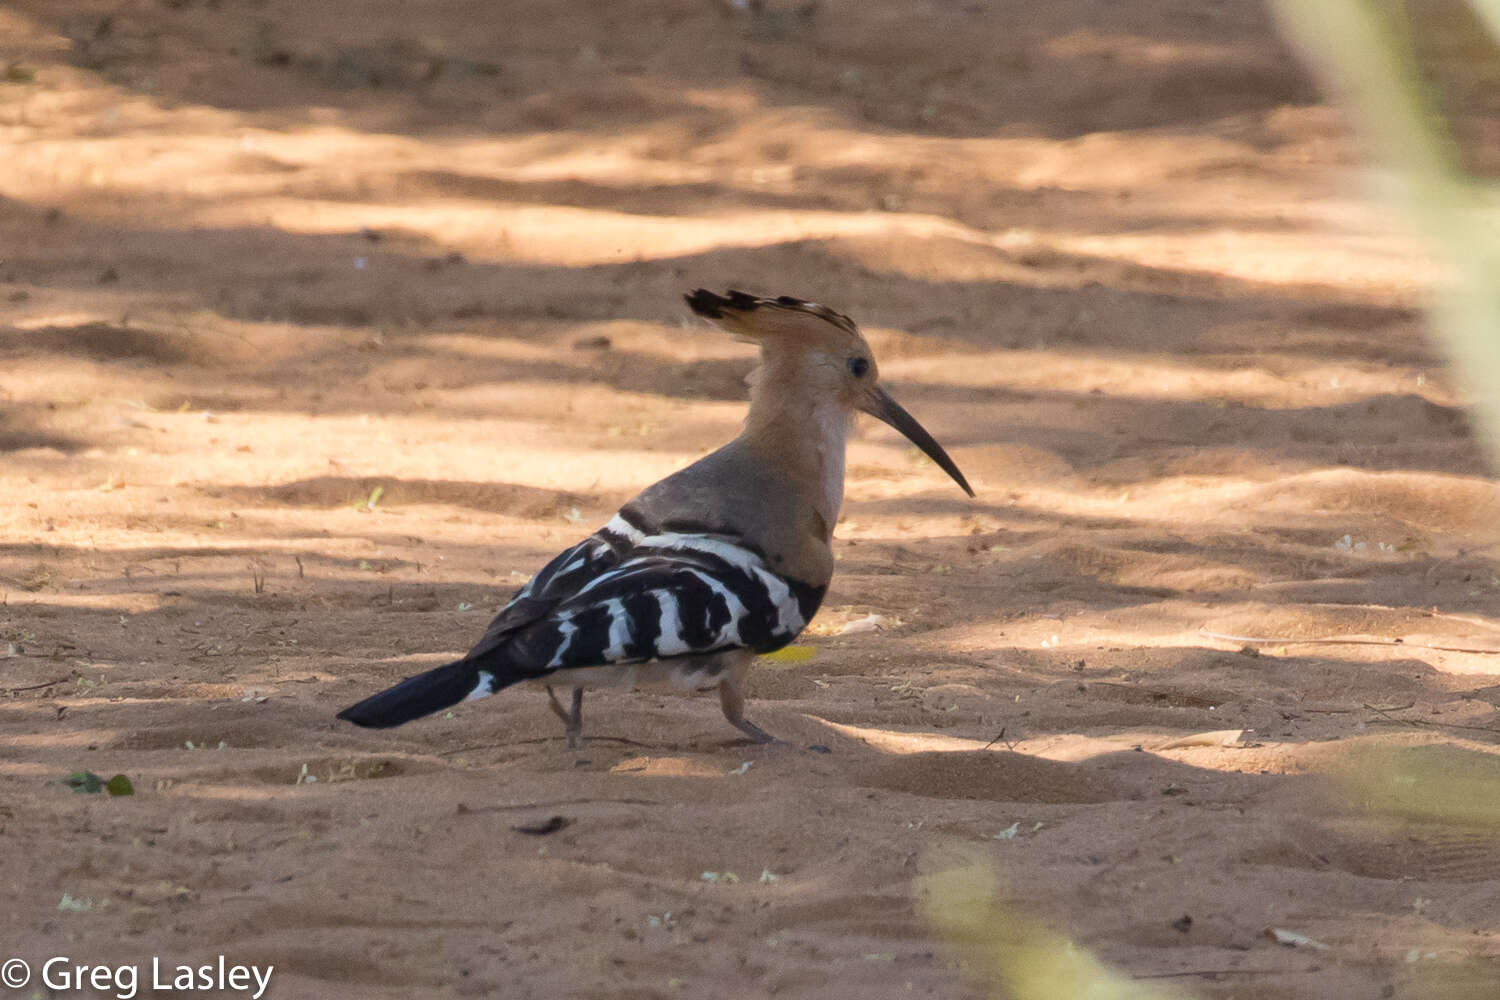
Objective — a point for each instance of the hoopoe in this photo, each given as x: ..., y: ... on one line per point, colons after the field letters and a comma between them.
x: 695, y: 576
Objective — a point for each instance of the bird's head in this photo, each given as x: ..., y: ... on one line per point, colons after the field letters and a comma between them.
x: 822, y: 353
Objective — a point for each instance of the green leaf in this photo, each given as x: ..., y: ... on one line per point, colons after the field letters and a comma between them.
x: 89, y: 783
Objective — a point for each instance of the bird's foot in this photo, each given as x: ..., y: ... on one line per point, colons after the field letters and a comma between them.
x: 755, y: 733
x: 572, y: 720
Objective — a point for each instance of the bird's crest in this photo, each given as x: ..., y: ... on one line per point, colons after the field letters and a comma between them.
x: 765, y: 320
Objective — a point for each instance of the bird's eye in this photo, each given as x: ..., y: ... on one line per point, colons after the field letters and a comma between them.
x: 858, y: 367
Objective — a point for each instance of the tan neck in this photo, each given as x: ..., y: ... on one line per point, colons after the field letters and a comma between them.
x: 803, y: 436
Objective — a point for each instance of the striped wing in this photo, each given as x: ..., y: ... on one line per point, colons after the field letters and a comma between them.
x: 621, y: 595
x: 672, y: 595
x: 564, y: 576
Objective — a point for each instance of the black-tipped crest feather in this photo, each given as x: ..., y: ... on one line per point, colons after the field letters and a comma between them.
x: 712, y: 306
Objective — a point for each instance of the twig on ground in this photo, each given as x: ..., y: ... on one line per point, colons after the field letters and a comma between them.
x: 1385, y: 714
x: 38, y: 687
x: 511, y: 807
x: 548, y: 739
x: 1000, y: 738
x: 1333, y: 640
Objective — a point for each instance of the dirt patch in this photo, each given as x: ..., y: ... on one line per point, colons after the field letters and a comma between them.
x: 1001, y: 777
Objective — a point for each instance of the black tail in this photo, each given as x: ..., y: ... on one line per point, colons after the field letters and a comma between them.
x: 418, y: 696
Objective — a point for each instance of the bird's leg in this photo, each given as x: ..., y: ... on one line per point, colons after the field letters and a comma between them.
x: 576, y: 722
x: 572, y: 720
x: 732, y: 701
x: 557, y: 708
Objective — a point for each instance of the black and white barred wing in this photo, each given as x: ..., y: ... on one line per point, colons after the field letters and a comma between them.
x: 672, y: 596
x: 564, y: 576
x: 620, y: 596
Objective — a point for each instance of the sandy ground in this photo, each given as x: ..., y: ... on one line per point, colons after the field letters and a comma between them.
x: 261, y: 260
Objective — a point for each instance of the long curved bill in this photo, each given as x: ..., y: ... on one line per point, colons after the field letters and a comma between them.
x: 882, y: 407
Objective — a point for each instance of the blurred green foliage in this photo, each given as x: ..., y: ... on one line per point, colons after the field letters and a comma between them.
x: 1435, y: 783
x: 1013, y: 953
x: 1365, y: 50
